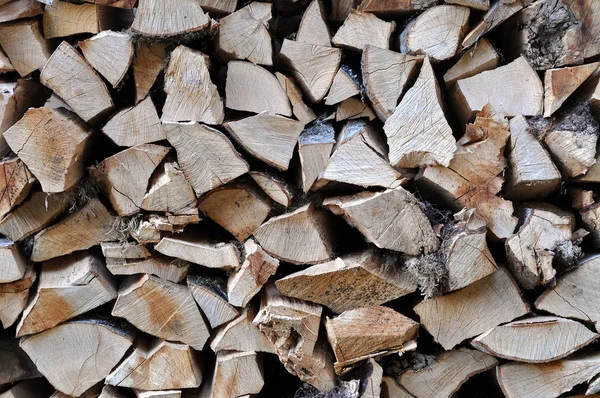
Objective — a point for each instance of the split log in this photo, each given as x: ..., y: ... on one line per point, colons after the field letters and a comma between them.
x: 340, y: 9
x: 299, y: 237
x: 593, y: 387
x: 169, y: 191
x: 376, y: 215
x: 252, y: 88
x: 550, y: 380
x: 126, y: 4
x: 354, y: 281
x: 62, y: 354
x: 274, y: 187
x: 445, y: 376
x: 68, y: 286
x: 300, y: 110
x: 5, y: 65
x: 342, y: 88
x: 395, y: 7
x: 481, y: 5
x: 364, y: 333
x: 25, y: 46
x: 418, y: 114
x: 371, y: 383
x: 535, y: 340
x: 80, y: 230
x: 293, y: 328
x: 386, y: 75
x: 472, y: 62
x: 391, y: 389
x: 353, y: 108
x: 581, y: 198
x: 237, y: 374
x: 34, y: 215
x: 200, y: 250
x: 590, y: 219
x: 359, y: 158
x: 191, y: 95
x: 436, y: 33
x: 124, y: 250
x: 73, y: 79
x: 529, y: 251
x: 148, y: 62
x: 531, y: 174
x: 18, y: 9
x: 473, y: 178
x: 161, y: 266
x: 361, y: 28
x: 270, y: 138
x: 15, y: 184
x: 314, y: 148
x: 513, y: 89
x: 62, y: 19
x: 158, y: 394
x: 593, y: 174
x: 14, y: 265
x: 219, y: 6
x: 560, y: 83
x: 313, y: 29
x: 13, y: 299
x: 55, y: 102
x: 241, y: 335
x: 244, y: 34
x: 211, y: 297
x: 256, y: 269
x: 52, y: 143
x: 158, y: 365
x: 123, y: 177
x: 472, y: 310
x: 16, y: 365
x: 155, y: 18
x: 313, y: 67
x: 573, y: 150
x: 110, y: 53
x: 162, y: 309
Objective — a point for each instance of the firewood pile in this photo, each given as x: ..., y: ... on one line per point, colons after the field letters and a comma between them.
x: 299, y: 198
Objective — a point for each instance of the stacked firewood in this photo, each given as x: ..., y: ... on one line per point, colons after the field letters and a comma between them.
x: 299, y: 198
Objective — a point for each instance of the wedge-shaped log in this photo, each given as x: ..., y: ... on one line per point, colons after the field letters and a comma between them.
x: 314, y: 149
x: 354, y: 281
x: 12, y: 263
x: 353, y: 108
x: 25, y: 45
x: 237, y: 374
x: 16, y: 182
x: 211, y: 297
x: 200, y: 250
x: 169, y: 191
x: 136, y: 125
x: 313, y: 27
x: 343, y: 87
x: 375, y: 215
x: 472, y: 62
x: 148, y: 62
x: 18, y: 9
x: 110, y: 53
x: 472, y: 310
x: 274, y: 187
x: 362, y: 28
x: 394, y: 7
x: 62, y: 19
x: 62, y: 354
x: 241, y: 335
x: 162, y: 309
x: 560, y: 83
x: 172, y: 270
x: 495, y: 16
x: 300, y: 110
x: 155, y: 18
x: 13, y: 299
x: 5, y: 65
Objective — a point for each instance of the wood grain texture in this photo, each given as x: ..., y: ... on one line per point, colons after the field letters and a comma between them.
x: 16, y: 182
x: 199, y: 250
x: 148, y: 62
x: 276, y: 188
x: 241, y: 335
x: 25, y: 45
x: 300, y: 110
x: 313, y: 29
x: 169, y: 191
x: 314, y: 149
x: 161, y: 266
x: 361, y: 28
x: 62, y: 19
x: 472, y: 62
x: 237, y: 374
x: 574, y: 152
x: 560, y: 83
x: 343, y: 87
x: 155, y: 18
x: 18, y: 9
x: 212, y: 300
x: 353, y: 108
x: 110, y: 53
x: 13, y: 299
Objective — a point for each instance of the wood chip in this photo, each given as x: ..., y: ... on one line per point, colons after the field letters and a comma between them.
x: 343, y: 87
x: 560, y: 83
x: 274, y: 187
x: 15, y: 184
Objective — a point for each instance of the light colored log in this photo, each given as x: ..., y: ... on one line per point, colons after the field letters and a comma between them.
x: 472, y: 310
x: 162, y: 309
x: 62, y: 354
x: 15, y: 184
x: 158, y: 394
x: 590, y: 219
x: 472, y: 62
x: 375, y: 215
x: 244, y: 34
x: 191, y: 95
x: 574, y: 151
x: 241, y: 335
x: 410, y: 126
x: 5, y: 65
x: 13, y: 299
x: 361, y: 28
x: 395, y: 7
x: 161, y: 266
x: 68, y: 286
x: 436, y: 33
x: 86, y: 227
x: 445, y: 376
x: 124, y: 250
x: 110, y: 53
x: 313, y: 67
x: 62, y: 19
x: 219, y: 6
x: 18, y: 9
x: 25, y: 45
x: 252, y: 88
x: 237, y: 374
x: 148, y: 62
x: 481, y: 5
x: 274, y: 187
x: 169, y: 191
x: 496, y: 15
x: 211, y: 297
x: 300, y: 110
x: 200, y: 250
x: 560, y: 83
x: 353, y: 108
x: 314, y: 149
x: 343, y: 87
x: 155, y: 18
x: 13, y: 264
x: 313, y: 28
x: 73, y: 79
x: 354, y: 281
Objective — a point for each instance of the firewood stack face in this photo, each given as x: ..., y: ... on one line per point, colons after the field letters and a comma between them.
x: 299, y: 198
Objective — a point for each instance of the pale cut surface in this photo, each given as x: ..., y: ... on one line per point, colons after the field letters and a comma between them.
x: 252, y: 88
x: 237, y: 374
x: 212, y: 302
x: 110, y: 53
x: 313, y: 27
x: 468, y: 312
x: 135, y: 125
x: 62, y: 19
x: 241, y: 335
x: 574, y: 152
x: 360, y: 280
x: 73, y: 79
x: 169, y: 191
x: 472, y: 62
x: 17, y: 9
x: 25, y: 45
x: 343, y: 87
x: 199, y: 250
x: 148, y: 62
x: 16, y: 182
x: 436, y: 33
x: 445, y: 376
x: 13, y: 299
x: 191, y: 95
x: 418, y: 133
x: 12, y: 263
x: 535, y: 340
x: 162, y: 309
x: 5, y: 65
x: 274, y: 187
x: 361, y: 28
x: 206, y: 156
x: 163, y: 267
x: 482, y: 5
x: 314, y: 148
x: 300, y: 110
x: 353, y: 108
x: 394, y: 7
x: 71, y: 345
x: 156, y: 18
x: 218, y: 6
x: 560, y: 83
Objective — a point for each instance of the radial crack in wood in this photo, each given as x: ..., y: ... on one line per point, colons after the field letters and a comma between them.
x: 169, y: 191
x: 300, y: 110
x: 237, y: 374
x: 211, y: 297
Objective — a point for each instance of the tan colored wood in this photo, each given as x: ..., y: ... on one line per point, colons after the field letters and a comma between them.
x: 313, y: 67
x: 191, y: 95
x: 218, y: 6
x: 241, y: 335
x: 375, y: 215
x: 211, y: 297
x: 13, y: 264
x: 124, y: 250
x: 69, y: 348
x: 252, y: 88
x: 237, y: 374
x: 353, y: 108
x: 244, y: 34
x: 436, y: 33
x: 473, y: 310
x: 313, y: 28
x: 62, y: 19
x: 73, y: 79
x: 573, y: 151
x: 162, y: 309
x: 110, y: 53
x: 125, y: 4
x: 590, y: 220
x: 445, y: 376
x: 560, y: 83
x: 147, y: 232
x: 158, y: 394
x: 314, y: 149
x: 15, y: 184
x: 498, y: 13
x: 86, y: 227
x: 274, y: 187
x: 13, y: 299
x: 593, y: 174
x: 394, y: 7
x: 481, y: 5
x: 361, y: 28
x: 548, y: 379
x: 340, y: 9
x: 5, y: 65
x: 391, y: 389
x: 200, y: 250
x: 169, y: 191
x: 354, y: 281
x: 25, y: 45
x: 68, y: 286
x: 18, y: 9
x: 472, y: 62
x: 155, y: 18
x: 148, y: 62
x: 593, y: 387
x: 342, y: 88
x: 410, y: 126
x: 163, y: 267
x: 300, y: 110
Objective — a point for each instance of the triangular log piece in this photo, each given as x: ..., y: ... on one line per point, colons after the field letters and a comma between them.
x: 200, y: 250
x: 241, y: 335
x: 125, y: 250
x: 300, y: 110
x: 13, y: 263
x: 314, y: 149
x: 148, y: 62
x: 472, y: 62
x: 18, y: 9
x: 169, y: 191
x: 211, y: 296
x: 560, y: 83
x: 237, y: 374
x: 172, y: 270
x: 25, y: 45
x: 136, y: 125
x: 353, y: 108
x: 343, y: 87
x: 362, y: 28
x: 155, y: 18
x: 274, y: 187
x: 394, y: 7
x: 13, y: 299
x: 313, y: 28
x: 391, y: 389
x: 15, y: 184
x: 496, y: 15
x: 110, y: 53
x: 218, y: 6
x: 480, y: 5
